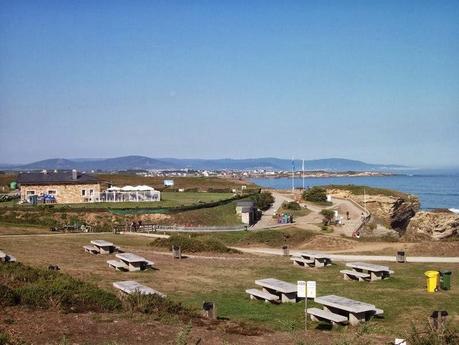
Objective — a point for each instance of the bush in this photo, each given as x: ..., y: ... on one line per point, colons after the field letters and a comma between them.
x: 443, y: 335
x: 7, y: 296
x: 154, y: 304
x: 42, y: 288
x: 4, y: 339
x: 292, y: 205
x: 315, y: 194
x: 263, y: 200
x: 193, y: 245
x: 328, y: 216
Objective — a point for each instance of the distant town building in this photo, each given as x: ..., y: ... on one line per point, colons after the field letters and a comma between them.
x: 59, y: 187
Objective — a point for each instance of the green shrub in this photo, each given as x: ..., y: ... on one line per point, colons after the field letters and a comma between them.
x: 315, y: 194
x: 193, y: 245
x: 154, y: 304
x: 263, y: 200
x: 292, y: 205
x: 328, y: 216
x: 42, y: 288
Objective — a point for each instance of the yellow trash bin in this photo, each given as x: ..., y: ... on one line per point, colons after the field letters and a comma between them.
x: 432, y: 280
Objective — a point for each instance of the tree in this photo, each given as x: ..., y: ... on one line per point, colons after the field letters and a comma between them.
x: 328, y: 216
x: 263, y: 200
x: 315, y: 194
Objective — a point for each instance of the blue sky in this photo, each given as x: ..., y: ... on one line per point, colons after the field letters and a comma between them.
x: 371, y: 80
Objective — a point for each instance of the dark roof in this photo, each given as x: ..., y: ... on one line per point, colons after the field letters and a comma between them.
x: 55, y: 178
x: 245, y: 203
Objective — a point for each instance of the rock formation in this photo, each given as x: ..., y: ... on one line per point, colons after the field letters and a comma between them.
x: 433, y: 225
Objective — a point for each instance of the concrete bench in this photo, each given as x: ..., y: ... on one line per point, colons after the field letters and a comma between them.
x: 260, y: 294
x: 118, y: 265
x: 91, y: 249
x: 360, y: 276
x: 149, y: 264
x: 299, y: 261
x: 325, y: 315
x: 129, y: 287
x: 118, y: 249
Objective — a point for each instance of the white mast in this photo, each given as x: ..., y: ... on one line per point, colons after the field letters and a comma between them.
x: 303, y: 173
x: 293, y: 176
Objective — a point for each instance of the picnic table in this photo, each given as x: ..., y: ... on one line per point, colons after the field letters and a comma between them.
x: 287, y: 292
x: 355, y: 311
x: 374, y: 272
x: 104, y: 247
x: 311, y: 259
x: 131, y: 286
x: 134, y: 262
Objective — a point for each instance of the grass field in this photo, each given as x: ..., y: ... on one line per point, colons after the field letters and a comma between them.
x: 223, y: 280
x: 201, y: 183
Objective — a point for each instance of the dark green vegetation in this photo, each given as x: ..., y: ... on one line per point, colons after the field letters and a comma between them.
x: 358, y: 190
x: 191, y: 244
x: 293, y: 208
x: 328, y: 216
x: 40, y: 288
x: 263, y: 200
x: 315, y: 194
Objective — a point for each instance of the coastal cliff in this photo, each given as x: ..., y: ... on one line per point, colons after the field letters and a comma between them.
x: 391, y: 209
x: 433, y: 225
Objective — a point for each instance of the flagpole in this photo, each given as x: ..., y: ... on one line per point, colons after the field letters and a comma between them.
x: 293, y: 176
x: 303, y: 173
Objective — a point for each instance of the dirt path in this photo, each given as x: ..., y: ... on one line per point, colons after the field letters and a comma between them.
x: 267, y: 220
x: 347, y: 257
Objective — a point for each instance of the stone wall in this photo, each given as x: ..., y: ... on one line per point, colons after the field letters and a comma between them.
x: 65, y: 193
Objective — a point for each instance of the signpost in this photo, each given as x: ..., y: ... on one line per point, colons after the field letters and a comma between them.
x: 306, y: 290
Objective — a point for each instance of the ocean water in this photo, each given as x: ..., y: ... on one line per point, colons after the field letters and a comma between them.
x: 434, y: 191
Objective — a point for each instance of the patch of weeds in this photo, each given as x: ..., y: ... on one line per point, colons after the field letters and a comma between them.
x: 182, y: 336
x: 4, y: 339
x: 156, y: 305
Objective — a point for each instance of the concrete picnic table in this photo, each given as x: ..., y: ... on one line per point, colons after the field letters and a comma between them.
x: 377, y: 272
x: 2, y: 255
x: 131, y: 286
x: 287, y: 291
x: 104, y: 247
x: 134, y: 262
x: 320, y: 259
x: 356, y: 311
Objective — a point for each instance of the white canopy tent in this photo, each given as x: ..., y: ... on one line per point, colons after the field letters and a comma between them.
x: 130, y: 193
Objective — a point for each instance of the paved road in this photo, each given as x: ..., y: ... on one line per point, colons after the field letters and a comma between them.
x: 345, y: 257
x: 267, y: 220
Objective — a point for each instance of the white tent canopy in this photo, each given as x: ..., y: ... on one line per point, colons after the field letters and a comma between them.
x: 130, y: 193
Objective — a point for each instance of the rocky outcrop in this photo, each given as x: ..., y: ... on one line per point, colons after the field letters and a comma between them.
x: 402, y: 212
x: 393, y: 212
x: 433, y: 225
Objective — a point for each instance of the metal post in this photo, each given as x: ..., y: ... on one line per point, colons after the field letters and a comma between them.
x: 306, y: 313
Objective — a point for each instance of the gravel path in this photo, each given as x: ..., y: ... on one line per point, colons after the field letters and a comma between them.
x: 345, y: 257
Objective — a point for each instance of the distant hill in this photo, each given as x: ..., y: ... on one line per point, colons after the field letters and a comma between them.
x: 145, y: 163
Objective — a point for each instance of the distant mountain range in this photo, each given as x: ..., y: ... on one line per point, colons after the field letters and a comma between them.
x: 147, y: 163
